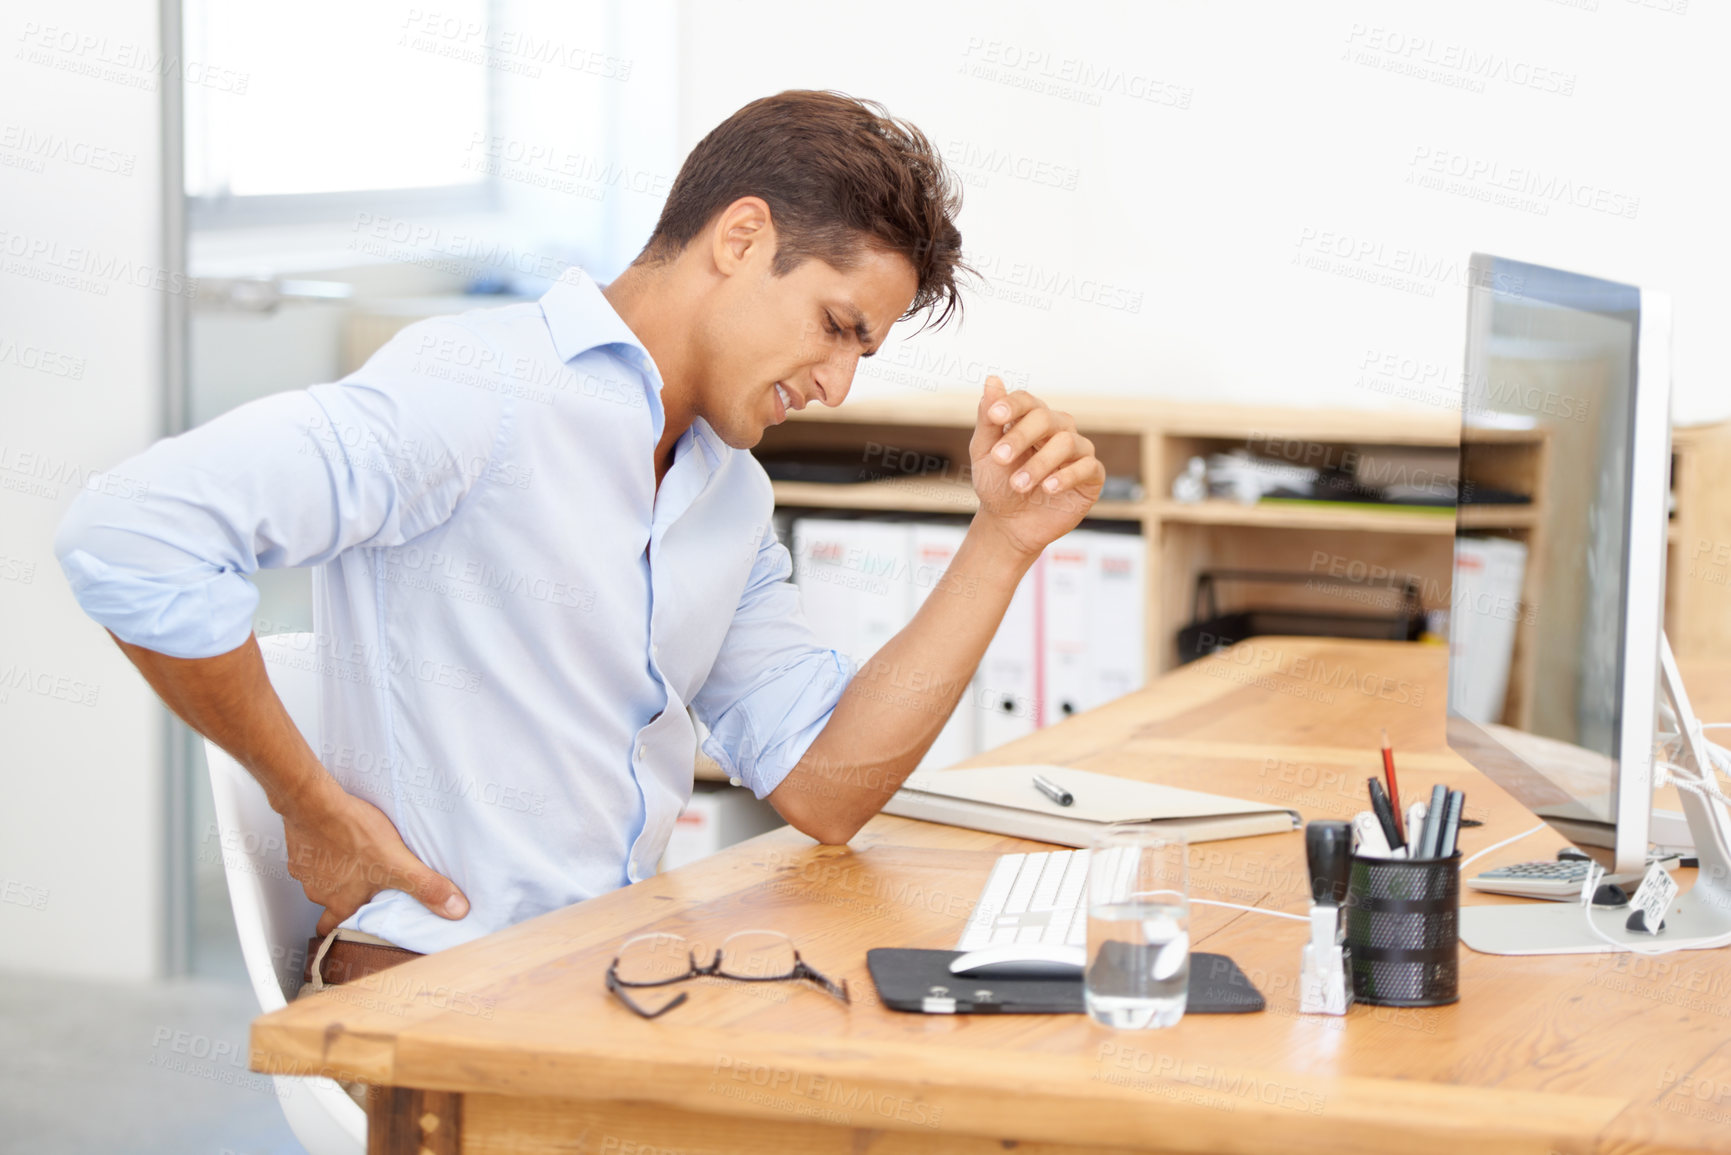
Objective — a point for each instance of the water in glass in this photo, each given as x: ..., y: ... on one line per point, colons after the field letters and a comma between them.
x: 1138, y: 974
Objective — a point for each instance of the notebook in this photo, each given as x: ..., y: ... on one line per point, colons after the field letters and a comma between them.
x: 1003, y: 800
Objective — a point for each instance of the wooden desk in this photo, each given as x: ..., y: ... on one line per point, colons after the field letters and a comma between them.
x: 512, y: 1044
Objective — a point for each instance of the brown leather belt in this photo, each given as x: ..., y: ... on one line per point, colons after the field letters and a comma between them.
x: 347, y: 961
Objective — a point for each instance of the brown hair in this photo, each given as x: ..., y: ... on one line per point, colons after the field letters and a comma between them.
x: 838, y: 174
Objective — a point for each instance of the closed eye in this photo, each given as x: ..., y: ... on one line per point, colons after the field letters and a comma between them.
x: 861, y: 334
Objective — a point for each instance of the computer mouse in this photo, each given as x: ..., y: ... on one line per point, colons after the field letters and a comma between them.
x: 1022, y: 960
x: 1610, y: 894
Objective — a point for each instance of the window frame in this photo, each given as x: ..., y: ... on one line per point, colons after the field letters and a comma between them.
x: 261, y: 211
x: 207, y: 213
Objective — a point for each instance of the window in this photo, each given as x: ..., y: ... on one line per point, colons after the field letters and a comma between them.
x: 294, y: 113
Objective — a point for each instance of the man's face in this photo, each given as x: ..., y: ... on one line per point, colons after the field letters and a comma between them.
x: 778, y: 343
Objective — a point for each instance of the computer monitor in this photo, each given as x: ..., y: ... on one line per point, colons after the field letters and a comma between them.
x: 1569, y: 373
x: 1556, y: 622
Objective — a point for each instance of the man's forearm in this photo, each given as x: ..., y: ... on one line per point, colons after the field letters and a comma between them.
x: 341, y: 849
x: 901, y: 697
x: 229, y: 699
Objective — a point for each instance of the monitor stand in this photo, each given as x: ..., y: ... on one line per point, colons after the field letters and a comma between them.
x: 1699, y: 919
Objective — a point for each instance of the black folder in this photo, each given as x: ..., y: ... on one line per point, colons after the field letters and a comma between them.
x: 920, y: 981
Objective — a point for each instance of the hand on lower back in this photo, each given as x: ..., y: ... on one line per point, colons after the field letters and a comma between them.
x: 343, y: 851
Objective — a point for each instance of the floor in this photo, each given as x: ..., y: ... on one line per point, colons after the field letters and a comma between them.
x: 109, y: 1069
x: 105, y: 1069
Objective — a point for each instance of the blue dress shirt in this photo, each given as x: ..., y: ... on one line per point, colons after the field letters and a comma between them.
x: 510, y: 619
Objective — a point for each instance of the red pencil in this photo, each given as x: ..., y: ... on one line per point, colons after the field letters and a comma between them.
x: 1393, y: 789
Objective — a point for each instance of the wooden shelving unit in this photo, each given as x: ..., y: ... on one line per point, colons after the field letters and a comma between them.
x: 914, y: 495
x: 1698, y: 543
x: 1217, y: 511
x: 1151, y: 441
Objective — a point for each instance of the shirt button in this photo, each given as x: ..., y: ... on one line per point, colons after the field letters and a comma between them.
x: 734, y: 781
x: 642, y: 753
x: 655, y: 649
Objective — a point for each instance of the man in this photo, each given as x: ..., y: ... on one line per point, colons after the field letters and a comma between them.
x: 540, y: 538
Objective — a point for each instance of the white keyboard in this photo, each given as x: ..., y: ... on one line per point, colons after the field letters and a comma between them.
x: 1031, y: 898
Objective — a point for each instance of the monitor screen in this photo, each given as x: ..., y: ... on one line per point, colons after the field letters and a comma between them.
x: 1538, y: 615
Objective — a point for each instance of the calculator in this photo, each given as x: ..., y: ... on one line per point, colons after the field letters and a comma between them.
x: 1558, y: 881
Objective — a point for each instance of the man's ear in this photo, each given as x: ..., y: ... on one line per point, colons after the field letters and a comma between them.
x: 743, y: 236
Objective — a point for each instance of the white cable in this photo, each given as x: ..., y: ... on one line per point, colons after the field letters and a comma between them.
x: 1590, y: 885
x: 1698, y: 780
x: 1499, y: 845
x: 1685, y: 779
x: 1251, y: 909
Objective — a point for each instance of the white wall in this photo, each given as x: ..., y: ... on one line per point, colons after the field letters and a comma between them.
x: 584, y: 156
x: 1212, y: 150
x: 81, y: 736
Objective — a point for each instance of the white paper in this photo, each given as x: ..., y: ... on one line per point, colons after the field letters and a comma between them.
x: 1654, y: 897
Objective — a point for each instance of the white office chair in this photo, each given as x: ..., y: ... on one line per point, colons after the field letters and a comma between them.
x: 272, y: 914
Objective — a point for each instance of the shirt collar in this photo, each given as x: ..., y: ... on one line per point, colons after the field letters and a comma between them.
x: 579, y: 319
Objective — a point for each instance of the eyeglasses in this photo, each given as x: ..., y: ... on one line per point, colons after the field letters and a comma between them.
x: 750, y: 956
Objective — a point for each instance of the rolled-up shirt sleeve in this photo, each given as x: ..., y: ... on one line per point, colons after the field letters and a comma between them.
x: 157, y: 550
x: 773, y: 687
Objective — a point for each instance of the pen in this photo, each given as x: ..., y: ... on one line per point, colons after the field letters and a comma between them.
x: 1393, y: 786
x: 1451, y: 823
x: 1053, y: 791
x: 1430, y: 842
x: 1385, y: 815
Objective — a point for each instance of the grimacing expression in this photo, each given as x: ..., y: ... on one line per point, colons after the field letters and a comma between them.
x: 779, y: 343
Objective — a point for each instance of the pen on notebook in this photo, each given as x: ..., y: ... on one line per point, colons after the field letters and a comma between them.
x: 1053, y: 791
x: 1393, y: 786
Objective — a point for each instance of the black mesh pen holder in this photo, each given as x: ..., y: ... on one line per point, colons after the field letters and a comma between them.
x: 1403, y: 925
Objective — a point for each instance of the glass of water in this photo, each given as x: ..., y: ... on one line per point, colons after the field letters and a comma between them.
x: 1138, y: 974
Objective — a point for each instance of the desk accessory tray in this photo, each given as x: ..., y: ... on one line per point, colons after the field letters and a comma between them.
x: 920, y: 981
